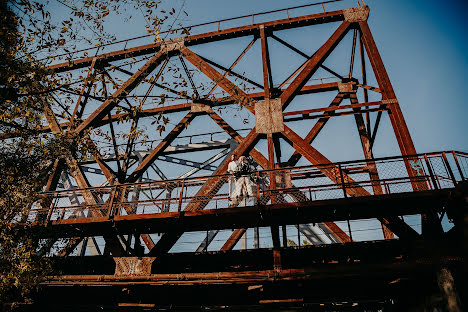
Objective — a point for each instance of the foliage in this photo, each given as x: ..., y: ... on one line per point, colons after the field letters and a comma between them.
x: 22, y: 179
x: 29, y: 35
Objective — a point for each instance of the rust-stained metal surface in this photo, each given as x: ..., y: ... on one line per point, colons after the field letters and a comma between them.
x: 269, y: 116
x: 133, y: 266
x: 140, y: 213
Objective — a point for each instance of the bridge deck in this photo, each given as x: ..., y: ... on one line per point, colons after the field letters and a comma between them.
x: 302, y: 195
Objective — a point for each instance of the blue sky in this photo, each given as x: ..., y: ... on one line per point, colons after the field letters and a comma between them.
x: 424, y: 48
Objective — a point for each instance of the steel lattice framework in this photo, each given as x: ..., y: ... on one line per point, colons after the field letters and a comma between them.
x: 118, y: 95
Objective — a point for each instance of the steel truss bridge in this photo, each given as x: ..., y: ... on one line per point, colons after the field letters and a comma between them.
x: 127, y: 235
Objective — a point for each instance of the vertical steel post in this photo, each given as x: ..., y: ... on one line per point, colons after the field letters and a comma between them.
x: 257, y: 237
x: 276, y: 247
x: 285, y: 236
x: 180, y: 196
x: 298, y: 236
x: 258, y: 188
x: 431, y: 173
x: 449, y: 169
x: 110, y: 210
x: 271, y: 166
x: 51, y: 209
x: 342, y: 181
x: 458, y: 165
x: 397, y: 120
x: 349, y: 229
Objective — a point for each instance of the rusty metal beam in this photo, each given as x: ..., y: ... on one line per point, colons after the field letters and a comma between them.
x: 364, y: 82
x: 396, y: 225
x: 153, y: 81
x: 387, y: 206
x: 231, y: 72
x: 150, y: 158
x: 208, y: 190
x: 367, y: 150
x: 234, y: 63
x: 396, y: 118
x: 86, y: 85
x: 83, y: 183
x: 214, y: 36
x: 256, y: 155
x: 313, y: 64
x: 247, y: 145
x: 106, y: 170
x: 124, y: 90
x: 233, y: 239
x: 239, y: 96
x: 334, y: 108
x: 263, y: 162
x: 303, y: 55
x: 318, y: 126
x: 189, y: 76
x: 267, y: 76
x: 353, y: 52
x: 331, y: 86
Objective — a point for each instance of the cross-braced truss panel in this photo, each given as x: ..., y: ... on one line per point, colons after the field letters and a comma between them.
x: 160, y: 122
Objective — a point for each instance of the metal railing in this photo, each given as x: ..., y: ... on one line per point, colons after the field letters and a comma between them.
x: 399, y: 174
x: 218, y: 25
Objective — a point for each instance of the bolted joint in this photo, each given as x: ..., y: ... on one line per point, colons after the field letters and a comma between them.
x: 173, y: 44
x: 199, y: 108
x: 133, y: 266
x: 347, y: 87
x: 390, y: 101
x: 269, y: 116
x: 357, y: 14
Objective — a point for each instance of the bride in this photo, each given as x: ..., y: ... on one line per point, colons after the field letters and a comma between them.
x: 243, y: 189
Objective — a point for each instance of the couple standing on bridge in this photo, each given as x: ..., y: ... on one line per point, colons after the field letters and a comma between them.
x: 240, y: 185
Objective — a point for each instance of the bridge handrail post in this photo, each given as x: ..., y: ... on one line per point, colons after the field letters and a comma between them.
x: 449, y: 169
x: 458, y: 165
x: 51, y: 209
x: 110, y: 210
x: 258, y: 187
x: 431, y: 173
x: 181, y: 196
x: 342, y: 181
x: 386, y: 187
